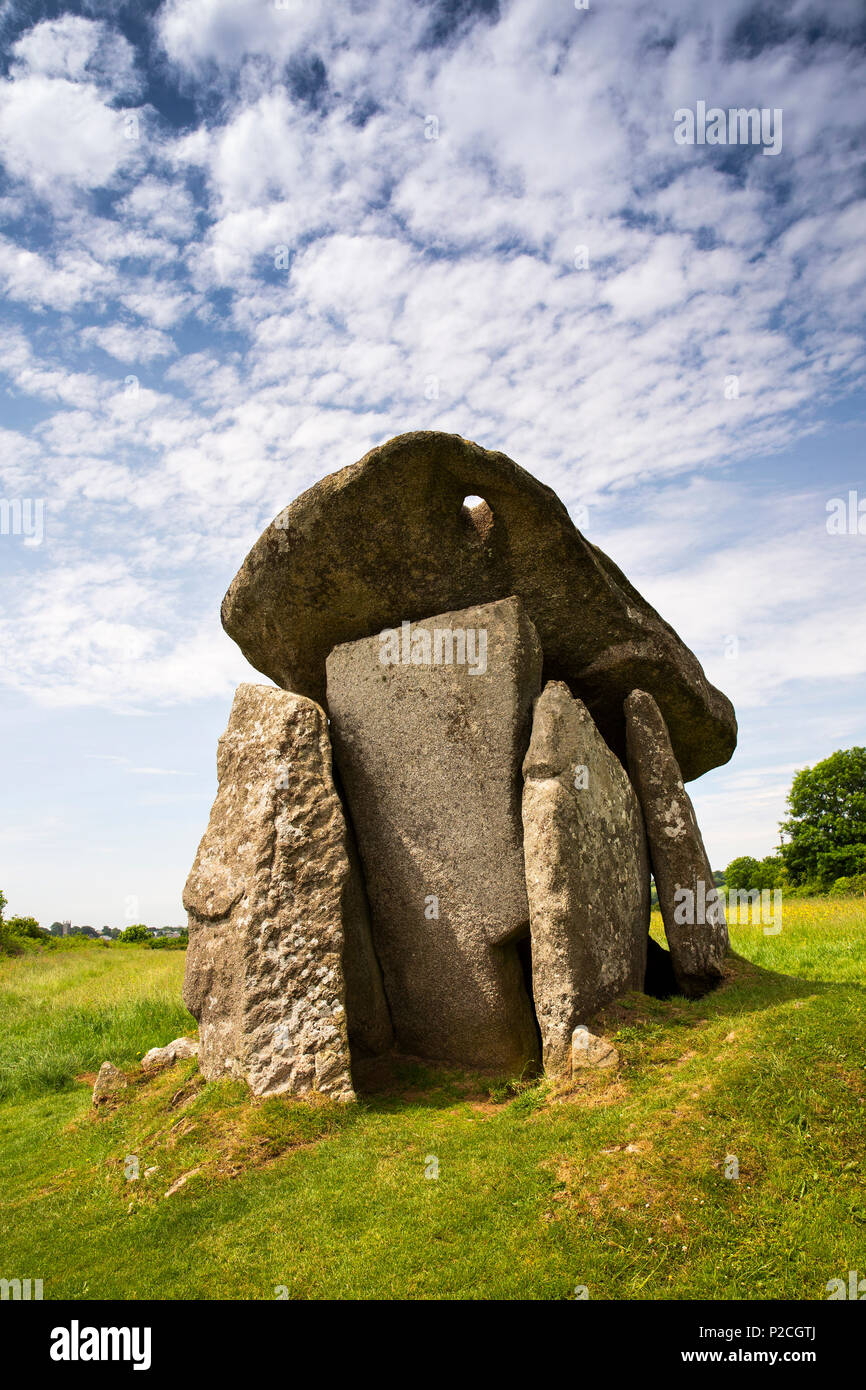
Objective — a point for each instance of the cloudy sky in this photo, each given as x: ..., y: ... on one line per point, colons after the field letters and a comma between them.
x: 244, y: 241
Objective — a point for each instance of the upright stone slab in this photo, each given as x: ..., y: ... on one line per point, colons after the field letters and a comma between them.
x: 266, y: 899
x: 587, y: 872
x: 692, y: 912
x: 430, y: 723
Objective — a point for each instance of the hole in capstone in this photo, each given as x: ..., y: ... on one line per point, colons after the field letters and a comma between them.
x: 476, y: 511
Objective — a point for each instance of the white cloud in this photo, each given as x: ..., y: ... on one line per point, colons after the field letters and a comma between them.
x: 130, y: 344
x: 448, y: 261
x: 39, y: 282
x: 78, y: 49
x: 54, y: 130
x: 755, y: 585
x: 430, y: 283
x: 166, y: 209
x: 198, y: 34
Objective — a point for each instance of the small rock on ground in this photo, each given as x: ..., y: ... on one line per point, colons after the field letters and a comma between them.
x: 109, y: 1081
x: 589, y: 1050
x: 175, y: 1051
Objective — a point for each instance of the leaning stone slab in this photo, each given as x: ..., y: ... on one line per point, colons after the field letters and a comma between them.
x: 430, y: 723
x: 587, y: 873
x: 691, y: 909
x: 389, y: 538
x: 266, y: 898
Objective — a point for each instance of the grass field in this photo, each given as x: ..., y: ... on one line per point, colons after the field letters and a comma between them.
x: 618, y: 1185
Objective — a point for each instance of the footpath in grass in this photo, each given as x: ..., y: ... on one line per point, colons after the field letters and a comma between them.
x: 623, y: 1185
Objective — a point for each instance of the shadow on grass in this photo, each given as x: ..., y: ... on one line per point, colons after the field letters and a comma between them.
x: 749, y: 986
x: 395, y: 1082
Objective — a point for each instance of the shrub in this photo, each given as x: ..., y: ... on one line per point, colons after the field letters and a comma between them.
x: 137, y: 932
x: 854, y: 885
x: 26, y: 926
x: 18, y: 933
x: 10, y: 944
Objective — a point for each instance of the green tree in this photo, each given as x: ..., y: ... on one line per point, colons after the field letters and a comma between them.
x: 742, y: 874
x: 137, y: 932
x: 826, y: 825
x: 773, y: 874
x: 10, y: 944
x: 26, y: 926
x: 5, y: 936
x: 748, y: 873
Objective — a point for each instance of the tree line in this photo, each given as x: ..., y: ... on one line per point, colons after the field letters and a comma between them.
x: 823, y: 846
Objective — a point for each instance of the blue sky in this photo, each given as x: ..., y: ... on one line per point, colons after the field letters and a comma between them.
x: 244, y: 242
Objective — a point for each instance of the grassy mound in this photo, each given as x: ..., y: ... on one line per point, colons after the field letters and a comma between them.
x: 623, y: 1184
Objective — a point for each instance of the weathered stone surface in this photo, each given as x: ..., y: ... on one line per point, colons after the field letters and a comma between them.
x: 679, y: 861
x: 388, y: 539
x: 265, y: 898
x: 587, y: 872
x: 429, y: 755
x: 109, y: 1081
x: 176, y: 1051
x: 590, y: 1050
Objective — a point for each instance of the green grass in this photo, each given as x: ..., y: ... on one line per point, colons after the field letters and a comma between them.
x: 617, y: 1184
x: 64, y: 1012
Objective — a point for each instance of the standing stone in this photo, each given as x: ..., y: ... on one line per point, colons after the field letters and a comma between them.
x: 690, y: 904
x: 430, y: 722
x: 587, y: 872
x: 266, y: 899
